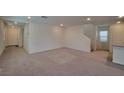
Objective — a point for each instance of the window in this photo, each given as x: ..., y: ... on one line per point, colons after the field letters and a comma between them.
x: 103, y: 36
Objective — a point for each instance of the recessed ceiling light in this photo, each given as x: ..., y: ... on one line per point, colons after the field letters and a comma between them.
x: 118, y: 22
x: 120, y: 16
x: 29, y: 17
x: 61, y: 25
x: 88, y: 19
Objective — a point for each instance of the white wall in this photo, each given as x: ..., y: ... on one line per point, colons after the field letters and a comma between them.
x: 116, y: 34
x: 44, y: 37
x: 2, y: 37
x: 21, y: 36
x: 76, y: 39
x: 26, y: 38
x: 90, y: 31
x: 40, y: 37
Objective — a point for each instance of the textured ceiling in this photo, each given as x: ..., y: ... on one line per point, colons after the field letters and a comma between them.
x: 66, y: 20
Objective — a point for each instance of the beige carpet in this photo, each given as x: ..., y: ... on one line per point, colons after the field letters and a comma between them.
x: 60, y: 62
x: 60, y: 57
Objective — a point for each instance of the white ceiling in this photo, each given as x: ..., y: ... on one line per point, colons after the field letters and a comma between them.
x: 66, y: 20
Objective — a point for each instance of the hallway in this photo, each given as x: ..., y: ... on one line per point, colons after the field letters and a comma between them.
x: 62, y: 61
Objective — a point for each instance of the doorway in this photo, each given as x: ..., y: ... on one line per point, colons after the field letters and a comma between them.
x: 103, y: 38
x: 14, y: 36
